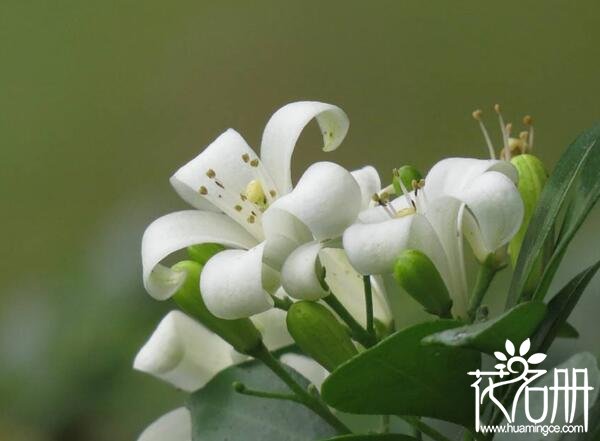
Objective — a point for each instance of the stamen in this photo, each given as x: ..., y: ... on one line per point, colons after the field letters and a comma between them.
x: 528, y: 121
x: 255, y: 193
x: 383, y: 203
x: 461, y: 253
x: 502, y: 127
x: 409, y: 201
x: 477, y: 116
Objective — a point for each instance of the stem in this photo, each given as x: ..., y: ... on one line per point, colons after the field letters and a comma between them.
x: 241, y: 388
x: 385, y: 424
x: 369, y: 304
x: 283, y: 304
x: 425, y: 428
x: 358, y: 332
x: 303, y: 397
x: 487, y: 271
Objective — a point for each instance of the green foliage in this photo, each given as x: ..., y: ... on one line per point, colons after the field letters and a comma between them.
x: 400, y: 376
x: 220, y: 413
x: 517, y: 324
x: 319, y: 334
x: 373, y: 437
x: 573, y: 187
x: 202, y: 252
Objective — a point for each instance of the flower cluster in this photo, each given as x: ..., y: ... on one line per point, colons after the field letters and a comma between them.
x: 257, y: 244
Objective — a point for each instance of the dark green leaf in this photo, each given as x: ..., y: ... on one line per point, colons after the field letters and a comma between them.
x: 575, y: 182
x: 517, y: 324
x: 219, y: 413
x: 560, y: 307
x: 567, y: 330
x: 400, y: 376
x: 373, y: 437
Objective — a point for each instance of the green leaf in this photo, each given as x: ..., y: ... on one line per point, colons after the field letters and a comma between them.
x: 567, y: 330
x: 517, y: 324
x: 574, y: 183
x: 400, y: 376
x: 373, y: 437
x: 219, y: 413
x: 583, y: 360
x: 560, y: 307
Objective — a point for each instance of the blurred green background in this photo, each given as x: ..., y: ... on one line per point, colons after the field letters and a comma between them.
x: 100, y: 101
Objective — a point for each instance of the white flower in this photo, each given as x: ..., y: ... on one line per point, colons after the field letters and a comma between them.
x: 245, y: 202
x: 173, y: 426
x: 477, y: 198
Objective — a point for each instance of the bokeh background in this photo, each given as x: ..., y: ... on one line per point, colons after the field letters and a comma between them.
x: 100, y: 101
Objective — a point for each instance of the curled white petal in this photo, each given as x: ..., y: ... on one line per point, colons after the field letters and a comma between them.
x: 179, y: 230
x: 369, y: 182
x: 326, y: 199
x: 307, y: 367
x: 236, y: 283
x: 220, y: 174
x: 183, y: 352
x: 283, y: 130
x: 301, y: 272
x: 273, y: 328
x: 173, y: 426
x: 495, y: 212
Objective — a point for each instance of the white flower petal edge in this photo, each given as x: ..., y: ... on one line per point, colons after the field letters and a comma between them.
x: 283, y: 130
x: 183, y: 352
x: 173, y: 426
x: 307, y: 367
x: 179, y: 230
x: 273, y: 328
x: 369, y: 182
x: 236, y: 284
x: 495, y: 212
x: 326, y: 199
x: 300, y: 273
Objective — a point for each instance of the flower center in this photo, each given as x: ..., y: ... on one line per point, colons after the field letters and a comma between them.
x: 416, y: 202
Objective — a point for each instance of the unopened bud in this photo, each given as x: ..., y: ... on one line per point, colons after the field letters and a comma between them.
x: 416, y: 273
x: 319, y: 334
x: 405, y: 174
x: 240, y: 333
x: 201, y: 253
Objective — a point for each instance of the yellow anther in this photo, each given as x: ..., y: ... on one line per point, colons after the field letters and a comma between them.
x: 497, y: 108
x: 477, y: 114
x: 527, y: 120
x: 255, y: 193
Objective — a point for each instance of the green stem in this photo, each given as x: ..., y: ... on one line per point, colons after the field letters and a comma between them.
x: 303, y: 396
x: 358, y: 332
x: 369, y: 304
x: 385, y: 424
x: 425, y: 428
x: 486, y: 274
x: 283, y: 304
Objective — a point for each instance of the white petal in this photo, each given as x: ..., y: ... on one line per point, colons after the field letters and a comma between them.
x: 327, y: 199
x: 495, y: 212
x: 279, y: 222
x: 283, y: 130
x: 369, y: 183
x: 301, y: 271
x: 224, y: 160
x: 524, y: 348
x: 236, y: 284
x: 510, y: 347
x: 173, y: 426
x: 273, y: 328
x: 453, y: 175
x: 183, y: 352
x: 347, y: 284
x: 179, y: 230
x: 307, y: 367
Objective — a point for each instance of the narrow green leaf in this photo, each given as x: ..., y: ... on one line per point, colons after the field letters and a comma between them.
x: 574, y: 183
x: 567, y: 330
x: 219, y: 413
x: 560, y: 307
x: 373, y: 437
x: 517, y: 324
x: 400, y: 376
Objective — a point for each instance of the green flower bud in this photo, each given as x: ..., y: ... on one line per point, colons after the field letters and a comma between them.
x: 241, y: 333
x: 407, y: 174
x: 201, y: 253
x: 532, y: 178
x: 416, y: 273
x: 319, y: 334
